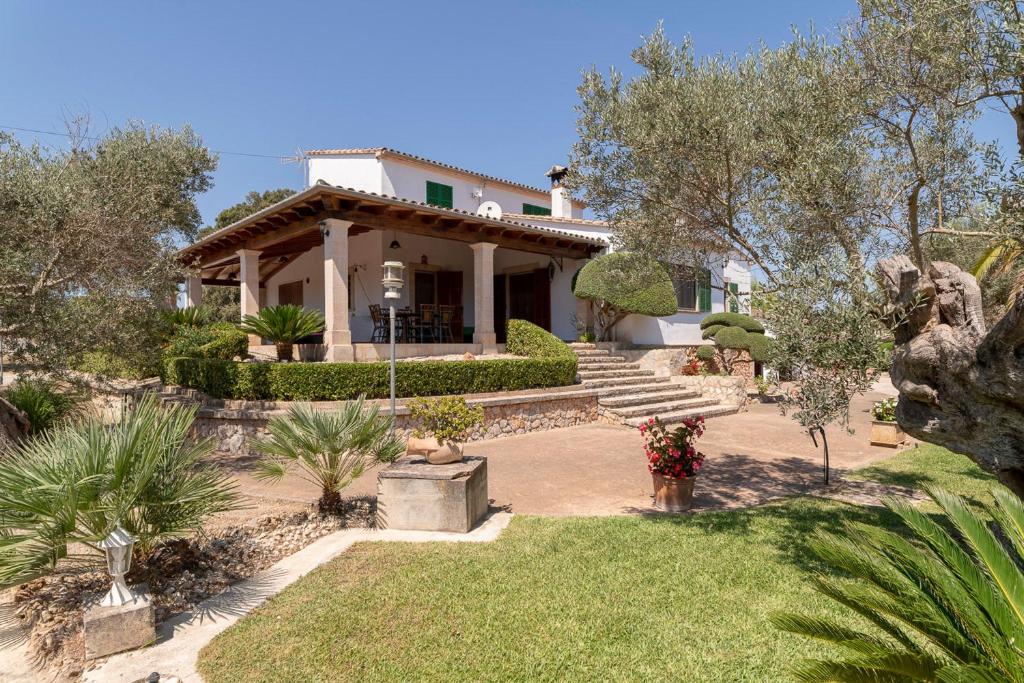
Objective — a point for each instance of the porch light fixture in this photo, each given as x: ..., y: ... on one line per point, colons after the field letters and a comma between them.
x: 392, y: 291
x: 118, y: 549
x: 324, y: 230
x: 394, y: 241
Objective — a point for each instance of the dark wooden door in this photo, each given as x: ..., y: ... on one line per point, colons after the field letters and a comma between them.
x: 290, y: 293
x: 541, y: 299
x: 500, y: 312
x: 529, y: 297
x: 449, y: 293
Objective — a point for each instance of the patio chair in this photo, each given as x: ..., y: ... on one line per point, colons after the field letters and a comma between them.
x: 446, y: 314
x: 426, y: 326
x: 380, y: 325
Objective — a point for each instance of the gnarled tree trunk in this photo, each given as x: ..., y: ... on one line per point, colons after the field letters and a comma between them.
x: 13, y: 425
x: 960, y: 386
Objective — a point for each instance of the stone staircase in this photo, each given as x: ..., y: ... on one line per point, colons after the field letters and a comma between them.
x: 632, y: 396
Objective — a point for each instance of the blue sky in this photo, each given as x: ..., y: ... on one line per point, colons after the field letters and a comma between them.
x: 484, y: 85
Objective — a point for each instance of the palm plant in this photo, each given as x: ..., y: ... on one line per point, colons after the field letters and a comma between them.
x: 283, y: 326
x: 947, y: 606
x: 331, y: 449
x: 1002, y: 257
x: 191, y: 316
x: 65, y: 490
x: 43, y: 403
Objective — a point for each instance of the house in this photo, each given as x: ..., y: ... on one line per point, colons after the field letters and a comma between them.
x: 487, y: 248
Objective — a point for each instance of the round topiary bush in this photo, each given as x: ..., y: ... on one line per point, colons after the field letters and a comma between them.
x: 741, y: 320
x: 621, y: 283
x: 706, y: 353
x: 758, y: 345
x: 732, y: 338
x: 710, y: 331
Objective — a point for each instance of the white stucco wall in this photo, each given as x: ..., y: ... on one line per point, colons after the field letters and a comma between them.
x: 359, y: 172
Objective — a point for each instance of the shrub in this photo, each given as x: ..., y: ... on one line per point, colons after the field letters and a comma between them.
x: 741, y: 320
x: 706, y: 353
x: 72, y: 485
x: 220, y: 340
x: 345, y: 381
x: 942, y: 605
x: 710, y: 331
x: 732, y: 338
x: 43, y: 403
x: 447, y: 419
x: 105, y: 364
x: 884, y: 410
x: 332, y: 448
x: 526, y: 339
x: 283, y: 326
x: 759, y: 347
x: 621, y: 283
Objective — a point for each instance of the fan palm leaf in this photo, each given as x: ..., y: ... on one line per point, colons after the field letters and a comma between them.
x: 327, y: 449
x: 948, y: 601
x: 283, y: 326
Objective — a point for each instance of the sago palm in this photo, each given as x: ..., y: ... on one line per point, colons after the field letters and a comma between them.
x: 327, y: 448
x: 1001, y: 258
x: 68, y: 488
x: 283, y: 326
x: 191, y: 316
x: 948, y: 604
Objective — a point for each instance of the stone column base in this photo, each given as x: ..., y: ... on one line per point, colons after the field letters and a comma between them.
x: 485, y: 338
x: 115, y: 629
x: 340, y: 353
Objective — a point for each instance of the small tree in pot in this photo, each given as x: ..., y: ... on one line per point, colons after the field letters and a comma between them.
x: 283, y: 326
x: 447, y: 420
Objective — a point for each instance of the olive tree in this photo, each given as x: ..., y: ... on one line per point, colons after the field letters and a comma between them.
x: 88, y: 237
x: 621, y: 283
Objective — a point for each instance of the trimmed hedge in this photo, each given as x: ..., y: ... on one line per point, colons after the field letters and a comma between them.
x: 710, y: 331
x: 741, y: 320
x: 706, y: 353
x: 345, y: 381
x: 733, y: 338
x: 526, y: 339
x: 220, y: 340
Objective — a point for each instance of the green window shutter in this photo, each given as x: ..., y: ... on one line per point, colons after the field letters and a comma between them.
x: 704, y: 290
x: 534, y: 210
x: 439, y: 194
x: 734, y: 301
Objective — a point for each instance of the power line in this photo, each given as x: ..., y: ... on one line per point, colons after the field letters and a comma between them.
x: 93, y: 137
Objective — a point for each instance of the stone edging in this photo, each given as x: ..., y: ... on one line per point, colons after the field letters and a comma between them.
x: 179, y: 640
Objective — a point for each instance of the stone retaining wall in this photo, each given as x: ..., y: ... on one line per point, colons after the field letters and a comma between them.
x: 729, y: 390
x: 234, y: 423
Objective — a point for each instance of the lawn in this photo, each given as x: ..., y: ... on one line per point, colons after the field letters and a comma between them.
x: 628, y: 598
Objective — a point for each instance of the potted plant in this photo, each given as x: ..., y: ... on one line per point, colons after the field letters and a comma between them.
x: 283, y: 326
x: 442, y: 426
x: 673, y: 461
x: 884, y: 429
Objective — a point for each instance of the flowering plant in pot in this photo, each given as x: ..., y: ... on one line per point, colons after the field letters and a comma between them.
x: 884, y: 429
x: 673, y: 460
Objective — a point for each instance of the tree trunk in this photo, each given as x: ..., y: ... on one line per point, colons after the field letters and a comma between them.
x: 284, y: 351
x: 960, y: 387
x: 14, y: 425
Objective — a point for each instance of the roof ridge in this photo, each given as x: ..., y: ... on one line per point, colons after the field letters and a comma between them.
x: 434, y: 162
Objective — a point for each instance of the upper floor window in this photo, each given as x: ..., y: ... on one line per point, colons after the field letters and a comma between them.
x: 439, y: 194
x: 534, y: 210
x: 693, y: 289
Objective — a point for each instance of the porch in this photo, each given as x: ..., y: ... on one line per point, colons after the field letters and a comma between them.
x: 465, y: 274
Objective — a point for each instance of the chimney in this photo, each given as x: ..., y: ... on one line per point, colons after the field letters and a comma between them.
x: 561, y: 202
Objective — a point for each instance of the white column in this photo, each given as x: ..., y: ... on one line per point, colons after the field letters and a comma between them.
x: 483, y: 293
x: 337, y: 335
x: 249, y: 284
x: 194, y: 291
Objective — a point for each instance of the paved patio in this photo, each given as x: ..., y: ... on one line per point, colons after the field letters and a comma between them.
x: 599, y: 469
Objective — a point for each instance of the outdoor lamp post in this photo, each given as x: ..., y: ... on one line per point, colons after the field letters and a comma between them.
x: 118, y: 548
x: 392, y: 292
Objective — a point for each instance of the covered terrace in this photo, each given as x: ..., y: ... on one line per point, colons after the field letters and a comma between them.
x: 323, y: 248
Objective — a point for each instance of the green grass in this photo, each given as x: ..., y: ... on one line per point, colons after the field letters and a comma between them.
x: 671, y: 598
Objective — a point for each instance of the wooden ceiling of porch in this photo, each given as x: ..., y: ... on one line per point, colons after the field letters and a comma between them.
x: 290, y: 228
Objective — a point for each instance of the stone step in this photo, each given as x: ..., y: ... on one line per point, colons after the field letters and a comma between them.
x: 611, y: 365
x: 677, y: 417
x: 587, y: 373
x: 583, y: 353
x: 623, y: 382
x: 665, y: 407
x: 601, y: 359
x: 582, y: 345
x: 652, y: 385
x: 659, y: 394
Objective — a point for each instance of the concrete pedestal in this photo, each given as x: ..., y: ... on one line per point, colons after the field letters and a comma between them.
x: 115, y: 629
x: 413, y: 494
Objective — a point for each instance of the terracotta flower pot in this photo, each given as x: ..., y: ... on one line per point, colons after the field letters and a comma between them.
x: 886, y: 434
x: 671, y: 494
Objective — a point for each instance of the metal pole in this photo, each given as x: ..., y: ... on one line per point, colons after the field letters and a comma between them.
x: 392, y: 314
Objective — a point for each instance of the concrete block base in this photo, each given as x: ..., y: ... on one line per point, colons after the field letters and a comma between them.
x: 115, y: 629
x: 413, y: 494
